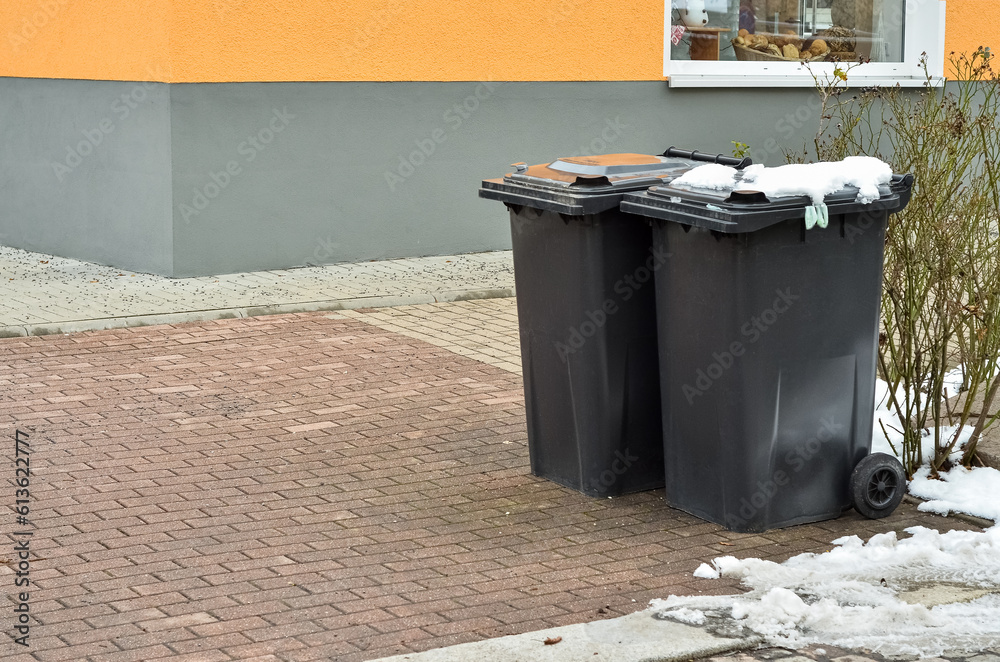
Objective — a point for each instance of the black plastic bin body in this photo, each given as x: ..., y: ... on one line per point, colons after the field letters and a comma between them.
x: 768, y: 336
x: 586, y: 310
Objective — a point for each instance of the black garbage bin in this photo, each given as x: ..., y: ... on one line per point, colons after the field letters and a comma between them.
x: 586, y: 311
x: 768, y: 339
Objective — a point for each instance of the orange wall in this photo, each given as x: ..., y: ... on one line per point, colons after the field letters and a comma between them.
x: 971, y: 24
x: 105, y: 40
x: 418, y: 40
x: 315, y: 40
x: 380, y: 40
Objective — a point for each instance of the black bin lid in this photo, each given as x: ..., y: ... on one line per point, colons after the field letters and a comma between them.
x: 583, y: 184
x: 743, y: 209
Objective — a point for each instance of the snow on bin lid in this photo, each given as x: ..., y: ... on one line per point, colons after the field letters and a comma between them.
x: 617, y: 171
x: 816, y: 180
x: 725, y: 199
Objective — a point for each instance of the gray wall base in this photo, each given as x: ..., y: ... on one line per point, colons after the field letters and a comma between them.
x: 200, y: 179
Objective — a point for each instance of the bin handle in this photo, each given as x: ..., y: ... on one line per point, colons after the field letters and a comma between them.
x: 903, y: 185
x: 695, y: 155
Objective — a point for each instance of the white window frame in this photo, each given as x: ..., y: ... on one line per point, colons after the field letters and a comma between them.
x: 923, y: 31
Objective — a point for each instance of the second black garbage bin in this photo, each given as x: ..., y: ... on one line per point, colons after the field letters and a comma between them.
x: 768, y: 338
x: 586, y: 310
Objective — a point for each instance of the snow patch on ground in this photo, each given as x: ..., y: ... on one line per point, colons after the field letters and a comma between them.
x: 706, y: 571
x: 850, y: 596
x: 689, y: 616
x: 974, y: 491
x: 816, y: 180
x: 926, y: 595
x: 953, y: 380
x: 887, y: 433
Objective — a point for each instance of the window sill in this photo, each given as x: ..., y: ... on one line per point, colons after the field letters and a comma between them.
x: 722, y: 80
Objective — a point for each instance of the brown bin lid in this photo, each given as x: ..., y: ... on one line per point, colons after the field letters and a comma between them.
x: 620, y: 171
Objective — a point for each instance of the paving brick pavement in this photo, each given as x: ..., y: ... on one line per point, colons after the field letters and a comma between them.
x: 485, y: 330
x: 315, y: 487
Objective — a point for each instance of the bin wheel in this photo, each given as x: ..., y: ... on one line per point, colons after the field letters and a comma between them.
x: 878, y: 484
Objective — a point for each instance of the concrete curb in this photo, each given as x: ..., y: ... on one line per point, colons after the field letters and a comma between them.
x: 638, y: 637
x: 384, y: 301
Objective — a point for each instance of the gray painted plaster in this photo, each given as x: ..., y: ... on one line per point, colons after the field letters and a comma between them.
x: 317, y: 192
x: 85, y: 173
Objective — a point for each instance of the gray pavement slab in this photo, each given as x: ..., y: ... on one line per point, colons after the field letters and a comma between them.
x: 989, y: 447
x: 638, y: 637
x: 44, y: 294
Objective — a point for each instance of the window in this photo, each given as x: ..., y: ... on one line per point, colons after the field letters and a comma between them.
x: 717, y: 43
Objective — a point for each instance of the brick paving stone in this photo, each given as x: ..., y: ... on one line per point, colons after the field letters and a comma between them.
x: 264, y: 651
x: 192, y: 500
